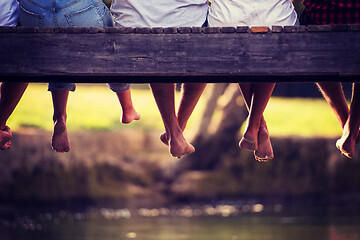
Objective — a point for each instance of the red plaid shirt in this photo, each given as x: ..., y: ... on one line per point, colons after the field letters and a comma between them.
x: 331, y: 12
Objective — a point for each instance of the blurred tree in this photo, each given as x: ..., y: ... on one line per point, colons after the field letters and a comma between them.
x: 212, y: 145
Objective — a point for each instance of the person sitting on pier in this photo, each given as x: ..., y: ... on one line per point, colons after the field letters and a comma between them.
x: 167, y: 13
x: 85, y: 13
x: 256, y: 95
x: 330, y: 13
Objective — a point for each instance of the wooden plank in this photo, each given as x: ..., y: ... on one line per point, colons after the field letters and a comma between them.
x: 242, y: 29
x: 290, y: 29
x: 211, y: 30
x: 8, y: 29
x: 184, y: 30
x: 206, y: 54
x: 319, y: 28
x: 196, y: 30
x: 277, y: 29
x: 214, y: 78
x: 341, y: 28
x: 260, y: 29
x: 228, y: 30
x: 170, y: 30
x: 157, y: 30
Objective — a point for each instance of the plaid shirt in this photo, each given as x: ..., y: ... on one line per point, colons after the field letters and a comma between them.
x: 331, y: 12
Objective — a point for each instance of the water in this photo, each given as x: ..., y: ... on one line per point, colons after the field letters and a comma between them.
x: 207, y: 222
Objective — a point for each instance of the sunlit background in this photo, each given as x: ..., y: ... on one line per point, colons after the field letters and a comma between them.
x: 120, y: 182
x: 95, y: 107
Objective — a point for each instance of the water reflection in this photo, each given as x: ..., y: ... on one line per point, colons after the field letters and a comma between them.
x: 222, y: 210
x: 234, y: 221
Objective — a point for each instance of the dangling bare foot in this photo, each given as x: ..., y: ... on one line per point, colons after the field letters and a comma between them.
x: 60, y: 140
x: 346, y: 144
x: 264, y: 152
x: 5, y: 138
x: 249, y: 140
x: 179, y: 147
x: 130, y: 115
x: 248, y: 144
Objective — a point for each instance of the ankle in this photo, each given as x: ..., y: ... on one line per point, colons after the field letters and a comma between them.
x: 262, y: 122
x: 59, y: 117
x: 128, y: 110
x: 176, y: 133
x: 251, y: 131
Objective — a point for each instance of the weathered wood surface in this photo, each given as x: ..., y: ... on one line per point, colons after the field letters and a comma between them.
x: 80, y: 54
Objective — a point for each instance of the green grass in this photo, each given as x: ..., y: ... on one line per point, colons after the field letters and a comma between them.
x: 96, y: 107
x: 301, y: 117
x: 93, y: 107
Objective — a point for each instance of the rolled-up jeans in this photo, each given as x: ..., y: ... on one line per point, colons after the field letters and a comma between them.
x: 62, y: 13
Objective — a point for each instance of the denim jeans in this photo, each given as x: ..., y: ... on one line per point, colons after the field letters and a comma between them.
x: 62, y: 13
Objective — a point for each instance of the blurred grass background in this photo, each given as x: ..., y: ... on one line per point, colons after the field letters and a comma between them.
x: 95, y: 107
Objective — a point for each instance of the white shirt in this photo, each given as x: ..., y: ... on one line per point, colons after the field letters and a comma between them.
x: 159, y: 13
x: 9, y: 13
x: 234, y: 13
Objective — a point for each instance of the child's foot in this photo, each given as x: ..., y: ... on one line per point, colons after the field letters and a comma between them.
x: 5, y: 138
x: 60, y: 140
x: 264, y: 152
x: 179, y: 147
x: 346, y: 144
x: 129, y: 116
x: 249, y: 140
x: 248, y: 144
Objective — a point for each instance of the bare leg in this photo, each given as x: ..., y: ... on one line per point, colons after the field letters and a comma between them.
x: 334, y: 95
x: 128, y: 111
x: 261, y: 95
x: 247, y: 92
x: 190, y: 96
x: 259, y: 100
x: 264, y: 150
x: 346, y: 143
x: 164, y: 97
x: 60, y: 139
x: 11, y: 94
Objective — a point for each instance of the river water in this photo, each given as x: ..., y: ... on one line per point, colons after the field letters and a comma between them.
x: 201, y: 222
